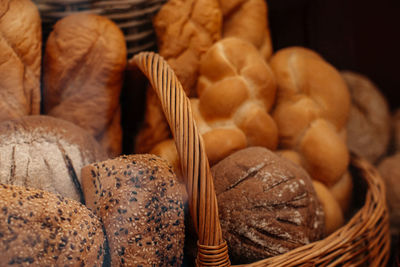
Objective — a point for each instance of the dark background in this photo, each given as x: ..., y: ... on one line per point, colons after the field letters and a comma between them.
x: 362, y: 36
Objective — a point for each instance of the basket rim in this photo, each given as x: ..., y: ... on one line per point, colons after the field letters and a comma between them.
x: 342, y: 246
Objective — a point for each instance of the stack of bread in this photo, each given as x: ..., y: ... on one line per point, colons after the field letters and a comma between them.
x: 277, y: 128
x: 292, y: 101
x: 54, y: 210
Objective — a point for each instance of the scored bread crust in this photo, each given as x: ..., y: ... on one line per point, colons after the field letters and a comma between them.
x: 44, y: 229
x: 140, y: 204
x: 20, y: 59
x: 46, y: 153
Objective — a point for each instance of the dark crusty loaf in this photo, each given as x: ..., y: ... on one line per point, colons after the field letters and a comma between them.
x: 20, y: 59
x: 46, y: 153
x: 368, y: 127
x: 38, y: 228
x: 84, y: 62
x: 140, y: 203
x: 267, y: 205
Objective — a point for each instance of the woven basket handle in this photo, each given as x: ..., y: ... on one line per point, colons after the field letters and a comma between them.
x: 212, y: 249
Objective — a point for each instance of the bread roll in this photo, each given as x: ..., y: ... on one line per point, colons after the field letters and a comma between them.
x: 185, y: 30
x: 311, y: 112
x: 368, y: 128
x: 140, y: 203
x: 39, y: 228
x: 20, y: 59
x: 342, y: 191
x: 389, y: 168
x: 267, y: 205
x: 46, y: 153
x: 247, y: 20
x: 84, y: 62
x: 333, y: 213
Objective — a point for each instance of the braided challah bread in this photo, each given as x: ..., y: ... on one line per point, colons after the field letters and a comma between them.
x: 236, y: 90
x: 312, y: 108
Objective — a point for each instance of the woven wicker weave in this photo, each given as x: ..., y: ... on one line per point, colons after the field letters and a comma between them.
x: 134, y: 17
x: 364, y: 240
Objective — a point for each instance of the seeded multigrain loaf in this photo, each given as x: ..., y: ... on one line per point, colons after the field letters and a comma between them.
x: 39, y: 228
x: 267, y: 205
x: 140, y: 203
x: 20, y: 58
x: 46, y: 153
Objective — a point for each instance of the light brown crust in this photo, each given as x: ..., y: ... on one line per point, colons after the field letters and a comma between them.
x: 368, y: 128
x: 46, y: 153
x: 20, y: 59
x: 43, y: 229
x: 84, y: 62
x: 311, y: 111
x: 185, y: 30
x: 140, y: 203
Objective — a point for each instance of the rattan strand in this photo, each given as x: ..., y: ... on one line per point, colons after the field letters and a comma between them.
x: 364, y: 240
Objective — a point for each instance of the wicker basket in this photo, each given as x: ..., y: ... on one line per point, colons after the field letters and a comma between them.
x: 134, y: 17
x: 364, y: 240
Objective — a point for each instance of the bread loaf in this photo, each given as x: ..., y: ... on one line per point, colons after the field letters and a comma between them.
x: 311, y: 112
x: 46, y: 153
x: 368, y: 127
x: 84, y: 61
x: 334, y: 218
x: 389, y: 168
x: 395, y: 130
x: 20, y: 59
x: 247, y: 20
x: 185, y: 30
x: 267, y: 205
x: 140, y: 203
x: 39, y: 228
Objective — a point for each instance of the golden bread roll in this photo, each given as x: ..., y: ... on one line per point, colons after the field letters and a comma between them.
x: 140, y: 203
x: 368, y: 127
x: 39, y: 228
x: 342, y: 191
x: 247, y: 20
x: 333, y: 213
x: 84, y: 62
x: 311, y: 112
x: 20, y: 59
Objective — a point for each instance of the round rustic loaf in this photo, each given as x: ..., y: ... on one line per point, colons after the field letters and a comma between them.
x: 267, y: 205
x: 46, y: 153
x: 140, y: 203
x: 39, y: 228
x: 368, y: 127
x: 389, y: 168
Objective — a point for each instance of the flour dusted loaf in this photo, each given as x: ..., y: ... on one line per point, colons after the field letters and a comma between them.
x: 39, y: 228
x: 312, y: 108
x: 141, y: 205
x: 84, y: 62
x: 267, y: 205
x: 20, y: 58
x: 46, y: 153
x: 368, y: 127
